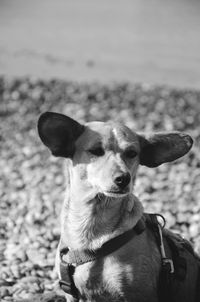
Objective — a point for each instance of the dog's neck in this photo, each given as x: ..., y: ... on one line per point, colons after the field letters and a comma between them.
x: 87, y: 223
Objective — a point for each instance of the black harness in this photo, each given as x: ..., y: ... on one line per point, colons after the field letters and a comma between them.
x: 172, y: 269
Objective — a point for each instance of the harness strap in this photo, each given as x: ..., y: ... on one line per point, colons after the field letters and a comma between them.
x: 71, y: 258
x: 67, y: 282
x: 165, y: 287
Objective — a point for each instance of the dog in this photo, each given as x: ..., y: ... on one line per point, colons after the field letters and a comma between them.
x: 102, y: 162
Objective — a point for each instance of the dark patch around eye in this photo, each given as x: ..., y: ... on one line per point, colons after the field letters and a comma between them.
x: 98, y: 151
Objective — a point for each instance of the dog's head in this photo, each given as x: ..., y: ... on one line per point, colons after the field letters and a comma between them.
x: 106, y: 156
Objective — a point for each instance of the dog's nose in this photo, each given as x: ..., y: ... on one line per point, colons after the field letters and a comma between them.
x: 123, y: 180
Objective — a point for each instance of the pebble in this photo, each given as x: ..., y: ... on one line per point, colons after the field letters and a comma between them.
x: 15, y: 271
x: 23, y: 294
x: 7, y: 298
x: 4, y: 292
x: 33, y: 181
x: 194, y: 230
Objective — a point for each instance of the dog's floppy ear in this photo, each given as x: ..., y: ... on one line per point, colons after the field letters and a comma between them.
x: 59, y: 133
x: 160, y: 148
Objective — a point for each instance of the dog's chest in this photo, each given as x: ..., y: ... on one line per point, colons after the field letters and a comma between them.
x: 118, y: 278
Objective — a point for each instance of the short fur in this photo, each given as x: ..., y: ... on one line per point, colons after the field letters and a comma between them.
x: 97, y: 208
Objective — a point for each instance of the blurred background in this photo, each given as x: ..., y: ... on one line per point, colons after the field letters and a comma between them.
x: 153, y: 41
x: 133, y: 61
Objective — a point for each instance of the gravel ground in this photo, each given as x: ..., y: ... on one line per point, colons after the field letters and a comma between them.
x: 32, y: 181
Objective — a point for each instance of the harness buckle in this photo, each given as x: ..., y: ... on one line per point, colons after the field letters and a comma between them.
x: 168, y: 265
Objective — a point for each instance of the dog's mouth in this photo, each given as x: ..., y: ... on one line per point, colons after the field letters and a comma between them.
x: 116, y: 194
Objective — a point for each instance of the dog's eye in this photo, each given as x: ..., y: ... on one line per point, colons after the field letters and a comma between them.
x: 99, y: 151
x: 130, y: 153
